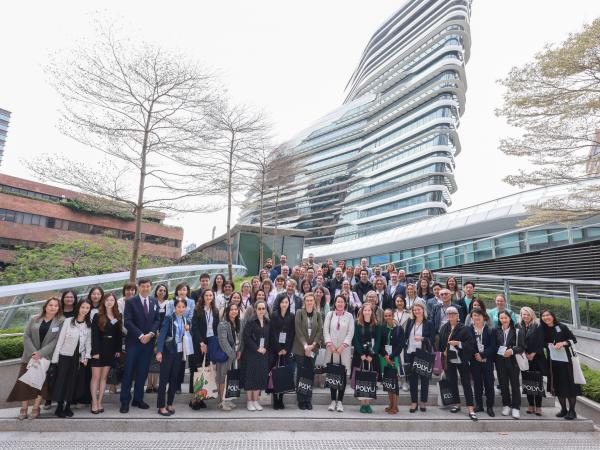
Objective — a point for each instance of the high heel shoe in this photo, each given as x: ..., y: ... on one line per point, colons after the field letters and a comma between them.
x: 35, y: 413
x: 22, y: 414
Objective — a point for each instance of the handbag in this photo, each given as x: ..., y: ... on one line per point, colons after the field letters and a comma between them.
x: 390, y: 380
x: 423, y: 363
x: 447, y: 394
x: 282, y: 378
x: 232, y: 383
x: 204, y: 383
x: 578, y: 377
x: 51, y: 376
x: 306, y: 379
x: 533, y: 383
x: 115, y: 374
x: 366, y: 384
x: 335, y: 375
x: 521, y: 358
x: 215, y: 353
x: 437, y: 365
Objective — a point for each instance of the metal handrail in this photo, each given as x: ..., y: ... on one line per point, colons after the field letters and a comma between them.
x: 517, y: 278
x: 585, y: 355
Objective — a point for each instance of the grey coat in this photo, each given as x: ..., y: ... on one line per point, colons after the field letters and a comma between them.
x: 302, y: 338
x: 226, y: 341
x: 31, y: 338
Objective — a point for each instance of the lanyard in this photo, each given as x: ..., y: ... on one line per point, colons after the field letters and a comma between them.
x: 209, y: 319
x: 389, y: 336
x: 416, y: 327
x: 506, y: 335
x: 399, y: 317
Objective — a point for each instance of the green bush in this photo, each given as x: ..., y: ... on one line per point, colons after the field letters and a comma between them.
x: 11, y: 348
x: 12, y: 330
x: 591, y: 390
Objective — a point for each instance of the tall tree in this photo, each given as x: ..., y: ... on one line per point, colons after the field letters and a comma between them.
x: 554, y: 100
x: 145, y: 108
x: 237, y: 131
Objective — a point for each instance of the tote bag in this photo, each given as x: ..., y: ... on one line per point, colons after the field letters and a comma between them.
x: 578, y: 377
x: 232, y: 383
x: 423, y: 363
x: 366, y: 384
x: 448, y: 396
x: 306, y: 379
x: 533, y: 383
x: 335, y: 375
x: 390, y: 380
x: 205, y: 385
x: 282, y: 378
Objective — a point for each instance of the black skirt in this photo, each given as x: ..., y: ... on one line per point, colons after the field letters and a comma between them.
x: 70, y: 384
x: 561, y: 380
x: 256, y: 371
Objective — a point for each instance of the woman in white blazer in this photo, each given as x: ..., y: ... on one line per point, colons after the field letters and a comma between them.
x: 338, y: 331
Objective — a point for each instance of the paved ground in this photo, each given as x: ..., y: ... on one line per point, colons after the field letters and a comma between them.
x: 300, y: 441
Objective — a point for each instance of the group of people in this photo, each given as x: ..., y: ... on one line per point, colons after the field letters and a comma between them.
x: 312, y: 316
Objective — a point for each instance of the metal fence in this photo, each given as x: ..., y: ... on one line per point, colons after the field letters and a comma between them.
x: 20, y: 301
x: 576, y: 302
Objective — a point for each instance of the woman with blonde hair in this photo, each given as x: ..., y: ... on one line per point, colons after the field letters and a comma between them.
x: 534, y: 350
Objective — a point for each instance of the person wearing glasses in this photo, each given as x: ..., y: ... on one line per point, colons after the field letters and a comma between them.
x: 482, y: 364
x: 255, y: 355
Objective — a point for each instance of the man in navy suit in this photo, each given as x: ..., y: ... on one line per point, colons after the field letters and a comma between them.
x: 141, y: 321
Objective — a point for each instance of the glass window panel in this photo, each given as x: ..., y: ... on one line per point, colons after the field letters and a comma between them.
x: 380, y: 259
x: 538, y: 239
x: 508, y: 245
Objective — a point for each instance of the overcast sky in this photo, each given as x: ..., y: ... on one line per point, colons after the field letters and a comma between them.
x: 292, y: 59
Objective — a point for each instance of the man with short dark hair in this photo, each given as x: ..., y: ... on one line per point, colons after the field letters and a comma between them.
x: 466, y: 303
x: 293, y: 297
x: 363, y: 286
x: 335, y: 284
x: 275, y: 271
x: 395, y: 288
x: 204, y: 285
x: 141, y: 321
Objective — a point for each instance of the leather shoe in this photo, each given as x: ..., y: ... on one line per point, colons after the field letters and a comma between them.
x: 490, y: 412
x: 140, y: 404
x: 478, y: 408
x: 308, y: 405
x: 124, y: 409
x: 571, y: 415
x: 302, y: 405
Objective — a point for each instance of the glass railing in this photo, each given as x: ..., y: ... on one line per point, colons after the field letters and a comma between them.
x: 19, y: 302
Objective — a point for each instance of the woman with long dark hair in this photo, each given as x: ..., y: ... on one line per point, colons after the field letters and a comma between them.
x: 71, y: 354
x: 559, y: 339
x: 255, y: 355
x: 218, y: 290
x: 282, y: 332
x: 106, y: 347
x: 39, y: 341
x: 68, y: 299
x: 229, y: 341
x: 510, y: 343
x: 95, y: 296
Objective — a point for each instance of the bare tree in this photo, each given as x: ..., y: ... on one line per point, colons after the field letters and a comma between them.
x: 237, y: 132
x: 554, y: 100
x: 146, y: 109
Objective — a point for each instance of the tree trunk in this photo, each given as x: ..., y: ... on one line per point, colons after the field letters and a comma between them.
x: 276, y: 222
x: 139, y: 209
x: 229, y: 181
x: 260, y: 233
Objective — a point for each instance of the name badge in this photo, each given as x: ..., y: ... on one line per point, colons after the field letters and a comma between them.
x: 210, y: 332
x: 113, y: 321
x: 55, y: 329
x: 388, y: 349
x: 480, y: 347
x: 282, y: 337
x: 557, y: 328
x: 179, y: 347
x: 501, y: 350
x: 309, y: 331
x: 372, y: 344
x: 261, y: 343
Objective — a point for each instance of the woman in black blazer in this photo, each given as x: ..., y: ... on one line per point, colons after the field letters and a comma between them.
x: 510, y: 342
x: 204, y: 330
x: 420, y: 333
x: 482, y: 364
x: 255, y: 355
x: 282, y: 332
x: 457, y: 346
x: 534, y: 349
x: 392, y: 344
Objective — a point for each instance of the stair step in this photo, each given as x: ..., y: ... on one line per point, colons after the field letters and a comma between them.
x: 289, y: 419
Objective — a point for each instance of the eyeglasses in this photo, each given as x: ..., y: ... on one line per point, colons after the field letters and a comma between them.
x: 260, y: 309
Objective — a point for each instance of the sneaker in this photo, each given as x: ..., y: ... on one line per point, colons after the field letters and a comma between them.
x: 516, y: 414
x: 339, y: 407
x: 506, y: 411
x: 231, y: 404
x: 225, y: 406
x: 332, y: 406
x: 405, y: 387
x: 251, y: 406
x: 257, y: 406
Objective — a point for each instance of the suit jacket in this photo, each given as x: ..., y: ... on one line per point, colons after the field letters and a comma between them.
x: 399, y: 289
x: 31, y: 339
x: 514, y: 341
x: 199, y: 329
x: 166, y: 341
x: 463, y: 335
x: 488, y: 339
x: 428, y: 333
x: 301, y: 324
x: 285, y: 325
x: 386, y: 301
x: 296, y: 299
x: 106, y: 342
x: 136, y: 321
x: 397, y: 338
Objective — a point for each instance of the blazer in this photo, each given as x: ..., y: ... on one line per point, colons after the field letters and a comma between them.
x: 68, y: 339
x: 279, y: 324
x: 488, y: 339
x: 107, y: 342
x: 438, y: 311
x: 301, y: 337
x: 428, y: 333
x: 462, y: 334
x: 167, y: 333
x: 296, y: 299
x: 199, y: 330
x: 358, y: 342
x: 31, y: 338
x: 136, y: 321
x: 385, y: 300
x: 253, y: 333
x: 397, y: 340
x: 189, y: 309
x: 227, y: 341
x: 514, y: 341
x: 399, y: 289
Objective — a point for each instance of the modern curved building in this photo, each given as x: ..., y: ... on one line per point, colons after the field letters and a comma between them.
x: 385, y: 158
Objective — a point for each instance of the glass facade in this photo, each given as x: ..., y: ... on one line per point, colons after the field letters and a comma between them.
x: 4, y: 121
x: 395, y: 132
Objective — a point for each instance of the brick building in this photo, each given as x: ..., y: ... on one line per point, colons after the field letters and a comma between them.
x: 32, y: 214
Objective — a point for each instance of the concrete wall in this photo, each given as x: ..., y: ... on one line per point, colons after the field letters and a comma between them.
x: 9, y: 370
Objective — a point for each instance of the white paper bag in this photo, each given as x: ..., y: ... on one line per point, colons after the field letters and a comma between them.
x: 36, y: 373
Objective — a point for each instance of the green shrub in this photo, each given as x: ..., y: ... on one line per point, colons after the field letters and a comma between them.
x: 591, y: 390
x: 11, y: 348
x: 12, y: 330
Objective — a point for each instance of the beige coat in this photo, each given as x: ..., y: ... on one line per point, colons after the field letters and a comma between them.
x: 338, y: 337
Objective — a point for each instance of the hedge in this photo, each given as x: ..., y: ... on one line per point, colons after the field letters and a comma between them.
x: 591, y: 390
x: 11, y: 348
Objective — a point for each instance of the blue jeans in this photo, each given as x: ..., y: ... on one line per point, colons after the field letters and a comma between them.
x: 137, y: 362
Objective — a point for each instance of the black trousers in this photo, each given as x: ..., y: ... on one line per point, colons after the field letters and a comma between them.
x: 483, y: 379
x: 169, y: 374
x: 508, y: 377
x: 301, y: 361
x: 465, y: 379
x: 181, y: 375
x: 413, y: 381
